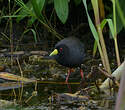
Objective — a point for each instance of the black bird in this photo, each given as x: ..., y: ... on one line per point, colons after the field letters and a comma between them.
x: 69, y: 52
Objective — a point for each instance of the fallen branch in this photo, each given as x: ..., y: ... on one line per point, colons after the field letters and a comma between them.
x: 117, y: 74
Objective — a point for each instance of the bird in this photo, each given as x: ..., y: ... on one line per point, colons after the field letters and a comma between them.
x: 69, y: 52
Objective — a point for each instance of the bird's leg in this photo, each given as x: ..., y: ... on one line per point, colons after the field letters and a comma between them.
x: 82, y: 74
x: 69, y: 72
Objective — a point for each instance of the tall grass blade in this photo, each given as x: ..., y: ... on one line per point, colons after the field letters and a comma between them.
x: 92, y: 27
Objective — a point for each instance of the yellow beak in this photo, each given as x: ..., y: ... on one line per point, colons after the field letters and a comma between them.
x: 55, y: 52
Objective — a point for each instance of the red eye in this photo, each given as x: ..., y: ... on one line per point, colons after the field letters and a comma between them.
x: 61, y: 49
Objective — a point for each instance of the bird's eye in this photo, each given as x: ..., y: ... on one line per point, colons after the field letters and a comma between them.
x: 61, y: 49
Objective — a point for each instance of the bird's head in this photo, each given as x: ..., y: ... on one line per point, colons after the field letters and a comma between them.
x: 60, y: 51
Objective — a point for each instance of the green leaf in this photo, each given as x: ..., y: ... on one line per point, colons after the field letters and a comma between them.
x: 110, y: 23
x: 111, y: 26
x: 103, y: 23
x: 38, y: 6
x: 61, y: 7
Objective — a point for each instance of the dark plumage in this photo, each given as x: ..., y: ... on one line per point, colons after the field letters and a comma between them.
x: 69, y: 52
